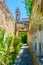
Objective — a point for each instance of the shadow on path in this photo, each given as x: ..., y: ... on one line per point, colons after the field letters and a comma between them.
x: 24, y: 57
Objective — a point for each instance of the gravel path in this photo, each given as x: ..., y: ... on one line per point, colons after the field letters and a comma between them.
x: 24, y: 57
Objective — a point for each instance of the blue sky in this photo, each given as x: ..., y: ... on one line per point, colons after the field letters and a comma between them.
x: 13, y: 4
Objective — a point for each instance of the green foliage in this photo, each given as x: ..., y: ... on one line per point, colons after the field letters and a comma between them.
x: 11, y: 60
x: 10, y: 43
x: 18, y: 48
x: 2, y: 35
x: 28, y: 6
x: 16, y: 40
x: 24, y: 37
x: 4, y: 48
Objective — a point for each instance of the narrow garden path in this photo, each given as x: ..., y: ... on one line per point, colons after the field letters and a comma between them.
x: 24, y: 57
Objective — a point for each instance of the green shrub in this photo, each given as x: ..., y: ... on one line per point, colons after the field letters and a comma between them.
x: 4, y: 48
x: 24, y: 37
x: 17, y: 40
x: 7, y: 54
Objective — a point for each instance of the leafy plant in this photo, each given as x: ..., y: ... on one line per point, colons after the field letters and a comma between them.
x: 24, y: 37
x: 7, y: 48
x: 28, y: 6
x: 17, y: 40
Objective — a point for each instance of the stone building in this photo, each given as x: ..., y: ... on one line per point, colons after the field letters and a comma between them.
x: 35, y: 33
x: 21, y: 25
x: 7, y: 20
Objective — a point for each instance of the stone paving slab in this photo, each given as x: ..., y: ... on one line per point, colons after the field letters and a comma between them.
x: 24, y: 57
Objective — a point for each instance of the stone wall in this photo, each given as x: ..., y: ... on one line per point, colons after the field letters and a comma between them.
x: 36, y: 30
x: 36, y: 22
x: 7, y: 20
x: 20, y: 27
